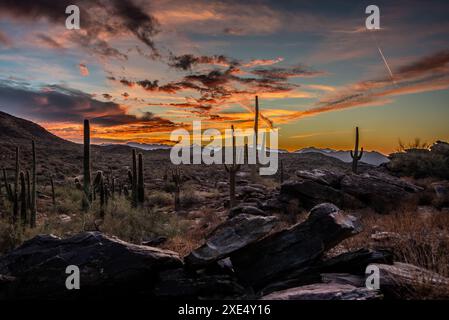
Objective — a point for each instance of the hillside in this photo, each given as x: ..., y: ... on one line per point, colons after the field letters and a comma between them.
x: 17, y: 130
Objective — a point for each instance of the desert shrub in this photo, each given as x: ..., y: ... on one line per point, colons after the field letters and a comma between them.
x: 418, y: 161
x: 189, y: 198
x: 10, y: 237
x: 160, y: 198
x: 138, y: 224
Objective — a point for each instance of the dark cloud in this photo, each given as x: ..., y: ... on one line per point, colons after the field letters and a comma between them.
x: 62, y: 104
x: 285, y: 73
x: 187, y: 61
x: 107, y: 96
x: 107, y: 17
x: 147, y: 118
x: 49, y: 41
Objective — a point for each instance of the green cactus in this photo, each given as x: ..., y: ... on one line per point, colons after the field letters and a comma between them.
x: 232, y: 169
x: 16, y: 188
x: 86, y: 167
x: 23, y: 199
x: 140, y: 181
x: 101, y: 191
x: 356, y: 156
x: 28, y: 189
x: 134, y: 180
x: 33, y: 203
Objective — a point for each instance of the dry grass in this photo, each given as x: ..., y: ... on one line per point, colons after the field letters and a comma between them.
x: 418, y: 239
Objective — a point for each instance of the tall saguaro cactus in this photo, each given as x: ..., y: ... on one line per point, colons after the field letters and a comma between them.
x: 86, y: 167
x: 23, y: 199
x: 140, y: 181
x: 134, y: 180
x: 33, y: 204
x: 232, y: 169
x: 16, y: 188
x: 356, y: 155
x: 256, y: 137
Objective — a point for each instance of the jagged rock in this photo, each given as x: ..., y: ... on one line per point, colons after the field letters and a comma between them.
x: 403, y: 280
x: 230, y: 236
x: 188, y: 285
x: 295, y: 248
x: 322, y: 176
x: 108, y: 266
x: 311, y: 193
x: 325, y: 291
x: 243, y: 208
x: 379, y: 191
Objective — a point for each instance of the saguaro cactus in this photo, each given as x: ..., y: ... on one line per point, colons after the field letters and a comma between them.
x: 23, y: 199
x: 356, y: 156
x: 232, y: 169
x: 256, y: 134
x: 134, y: 180
x: 33, y: 204
x: 16, y: 188
x: 140, y: 181
x: 86, y: 167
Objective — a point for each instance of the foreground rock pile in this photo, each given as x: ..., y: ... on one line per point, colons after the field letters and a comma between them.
x: 244, y: 258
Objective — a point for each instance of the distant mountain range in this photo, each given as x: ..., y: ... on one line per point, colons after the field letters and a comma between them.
x: 17, y: 130
x: 371, y: 157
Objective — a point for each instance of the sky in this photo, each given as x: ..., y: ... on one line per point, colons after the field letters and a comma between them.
x: 141, y: 69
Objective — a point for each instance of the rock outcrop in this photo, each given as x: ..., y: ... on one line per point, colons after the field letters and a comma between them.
x: 108, y: 266
x: 230, y: 236
x: 295, y: 248
x: 378, y: 190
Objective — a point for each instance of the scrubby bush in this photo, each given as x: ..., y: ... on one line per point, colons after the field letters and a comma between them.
x: 421, y: 162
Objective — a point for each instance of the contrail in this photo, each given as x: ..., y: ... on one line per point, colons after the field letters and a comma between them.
x: 384, y: 59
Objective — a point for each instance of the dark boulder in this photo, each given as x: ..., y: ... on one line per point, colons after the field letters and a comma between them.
x: 379, y: 191
x: 232, y: 235
x: 108, y: 266
x: 295, y: 248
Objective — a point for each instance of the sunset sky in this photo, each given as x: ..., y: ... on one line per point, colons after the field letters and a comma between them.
x: 140, y: 69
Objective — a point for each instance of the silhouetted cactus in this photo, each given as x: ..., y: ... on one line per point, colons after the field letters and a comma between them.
x: 86, y: 167
x: 140, y: 181
x: 177, y: 180
x: 356, y: 156
x: 16, y: 188
x: 255, y: 140
x: 101, y: 191
x: 23, y: 200
x: 28, y: 189
x: 134, y: 180
x: 33, y: 203
x: 232, y: 169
